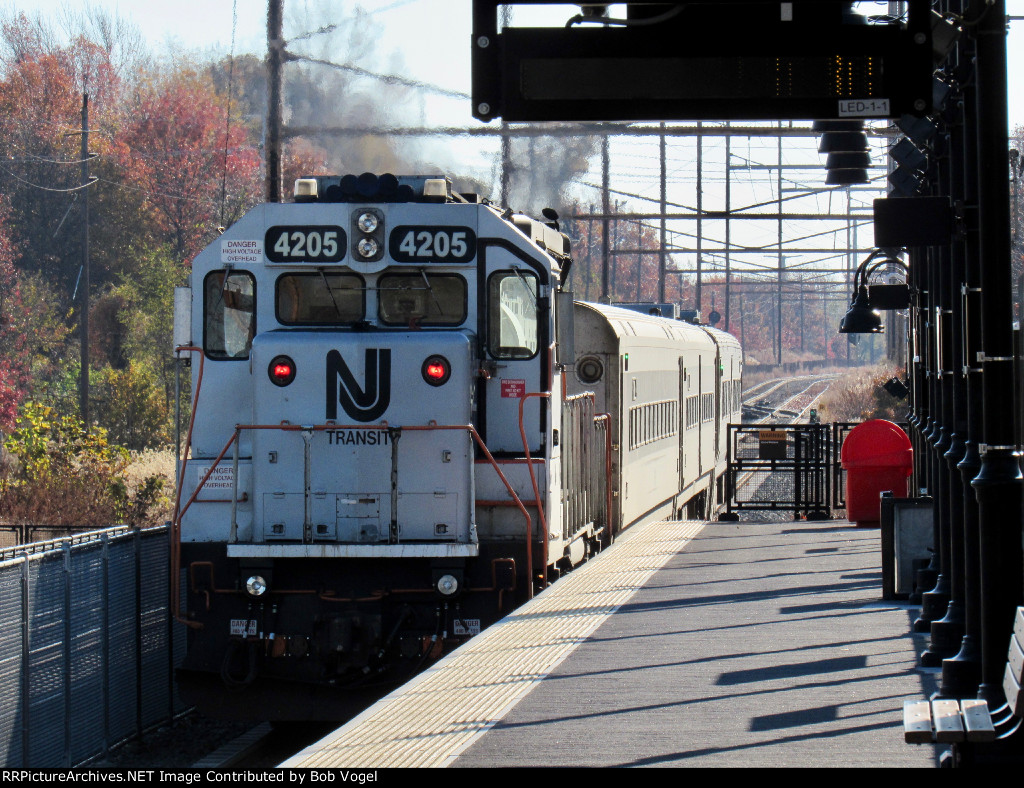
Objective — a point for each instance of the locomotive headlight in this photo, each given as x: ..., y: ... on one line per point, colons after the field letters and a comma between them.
x: 367, y: 225
x: 447, y: 585
x: 256, y: 586
x: 436, y: 370
x: 368, y: 247
x: 367, y: 222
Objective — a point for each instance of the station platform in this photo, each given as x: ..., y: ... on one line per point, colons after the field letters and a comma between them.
x: 683, y: 644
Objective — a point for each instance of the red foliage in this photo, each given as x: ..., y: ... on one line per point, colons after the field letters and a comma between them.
x: 41, y: 94
x: 302, y: 158
x: 174, y: 145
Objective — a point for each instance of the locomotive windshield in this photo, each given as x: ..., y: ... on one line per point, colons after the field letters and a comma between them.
x: 319, y: 299
x: 422, y: 299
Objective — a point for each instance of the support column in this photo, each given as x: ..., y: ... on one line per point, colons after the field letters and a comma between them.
x: 998, y: 484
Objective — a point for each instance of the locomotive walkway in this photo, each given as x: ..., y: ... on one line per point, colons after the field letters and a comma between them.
x: 685, y: 644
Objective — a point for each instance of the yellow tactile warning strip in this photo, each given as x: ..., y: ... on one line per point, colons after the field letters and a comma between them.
x: 434, y: 717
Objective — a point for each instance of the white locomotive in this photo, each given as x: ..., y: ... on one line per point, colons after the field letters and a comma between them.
x: 403, y: 426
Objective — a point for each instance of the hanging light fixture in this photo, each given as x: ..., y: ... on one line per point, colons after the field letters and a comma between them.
x: 860, y: 318
x: 863, y: 317
x: 847, y: 147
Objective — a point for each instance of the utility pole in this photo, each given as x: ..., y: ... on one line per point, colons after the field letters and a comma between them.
x: 700, y: 214
x: 83, y: 379
x: 605, y: 210
x: 728, y: 226
x: 613, y: 258
x: 275, y: 62
x: 589, y: 261
x: 782, y: 259
x: 506, y: 166
x: 802, y: 287
x: 664, y: 210
x: 506, y: 140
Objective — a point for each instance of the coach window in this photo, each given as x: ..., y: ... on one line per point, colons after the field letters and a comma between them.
x: 512, y: 314
x: 319, y: 299
x: 229, y: 315
x: 421, y: 300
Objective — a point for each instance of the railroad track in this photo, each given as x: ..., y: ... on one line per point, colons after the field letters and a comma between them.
x: 776, y: 401
x: 265, y: 746
x: 789, y: 399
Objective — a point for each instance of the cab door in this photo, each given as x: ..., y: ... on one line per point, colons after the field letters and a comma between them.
x: 516, y: 352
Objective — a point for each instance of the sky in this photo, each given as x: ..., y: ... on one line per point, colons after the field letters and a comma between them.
x: 430, y: 36
x: 428, y: 41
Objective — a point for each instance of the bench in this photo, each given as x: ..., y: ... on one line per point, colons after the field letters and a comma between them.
x: 956, y: 721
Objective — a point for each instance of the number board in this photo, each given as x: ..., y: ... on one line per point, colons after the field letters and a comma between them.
x: 411, y: 244
x: 305, y: 244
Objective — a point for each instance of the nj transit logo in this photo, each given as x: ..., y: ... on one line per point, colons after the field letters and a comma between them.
x: 362, y: 404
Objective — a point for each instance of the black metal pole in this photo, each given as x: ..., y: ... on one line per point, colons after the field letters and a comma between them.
x: 934, y: 601
x: 947, y: 633
x: 998, y: 484
x: 961, y: 673
x: 946, y: 629
x: 917, y: 401
x: 959, y: 676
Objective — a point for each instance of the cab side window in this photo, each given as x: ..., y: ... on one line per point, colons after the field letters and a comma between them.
x: 229, y: 314
x: 512, y: 315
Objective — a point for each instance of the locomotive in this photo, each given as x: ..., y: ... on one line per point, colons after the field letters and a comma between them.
x: 403, y: 426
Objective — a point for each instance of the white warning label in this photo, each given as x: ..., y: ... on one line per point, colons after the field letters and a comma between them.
x: 466, y: 626
x: 222, y: 480
x: 238, y: 251
x: 243, y: 627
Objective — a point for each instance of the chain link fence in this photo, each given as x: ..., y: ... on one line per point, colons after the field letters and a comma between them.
x: 87, y: 645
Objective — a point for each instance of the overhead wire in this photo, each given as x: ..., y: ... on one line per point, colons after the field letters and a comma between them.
x: 390, y: 79
x: 92, y: 180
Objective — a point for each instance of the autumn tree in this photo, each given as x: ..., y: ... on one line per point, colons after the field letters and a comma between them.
x: 198, y: 173
x: 48, y: 328
x: 14, y: 366
x: 42, y: 83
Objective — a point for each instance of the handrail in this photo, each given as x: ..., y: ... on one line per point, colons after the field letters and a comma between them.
x: 606, y: 417
x: 381, y: 427
x: 175, y: 545
x: 607, y: 472
x: 536, y: 494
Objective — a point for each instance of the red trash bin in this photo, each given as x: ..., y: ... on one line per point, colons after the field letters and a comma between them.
x: 877, y: 457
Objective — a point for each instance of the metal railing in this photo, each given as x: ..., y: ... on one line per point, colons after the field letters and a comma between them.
x: 805, y: 476
x: 780, y: 467
x: 87, y: 645
x: 584, y: 460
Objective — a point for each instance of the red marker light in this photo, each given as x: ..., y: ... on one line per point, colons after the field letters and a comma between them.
x: 436, y: 370
x: 281, y: 371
